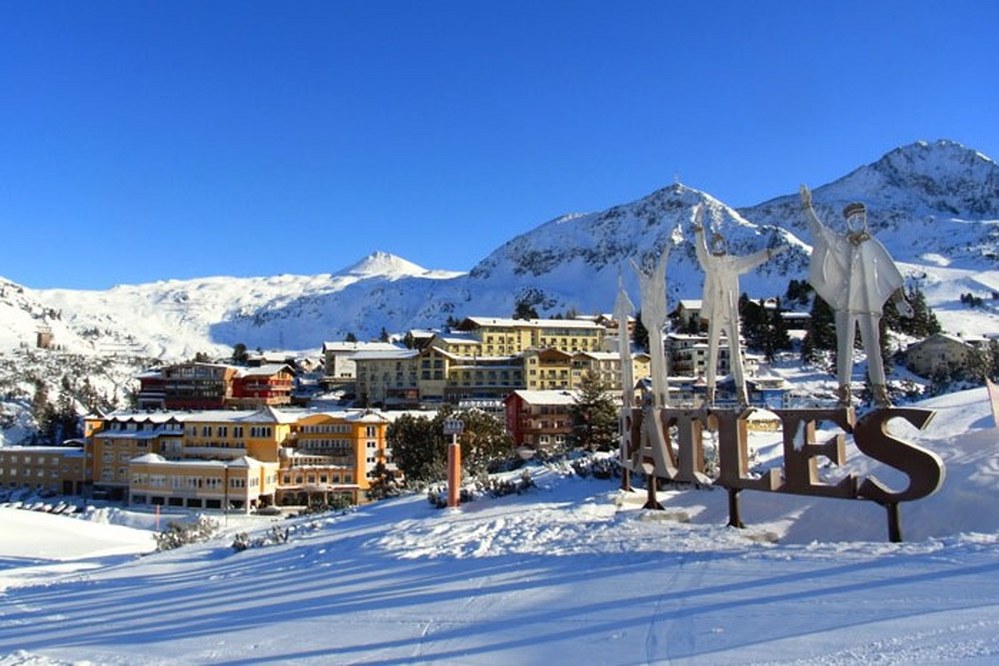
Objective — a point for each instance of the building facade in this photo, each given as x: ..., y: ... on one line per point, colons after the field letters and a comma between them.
x: 51, y: 469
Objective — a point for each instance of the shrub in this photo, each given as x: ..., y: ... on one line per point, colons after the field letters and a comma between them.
x: 488, y: 486
x: 179, y: 534
x: 276, y: 535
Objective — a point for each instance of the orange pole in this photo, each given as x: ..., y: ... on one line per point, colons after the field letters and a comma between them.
x: 453, y: 473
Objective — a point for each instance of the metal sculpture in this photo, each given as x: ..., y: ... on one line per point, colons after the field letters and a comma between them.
x: 853, y: 272
x: 720, y: 302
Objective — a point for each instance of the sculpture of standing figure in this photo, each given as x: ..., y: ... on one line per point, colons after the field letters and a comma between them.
x: 720, y: 303
x: 652, y: 284
x: 855, y: 275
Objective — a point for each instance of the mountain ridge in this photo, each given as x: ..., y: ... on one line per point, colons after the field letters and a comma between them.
x: 922, y: 199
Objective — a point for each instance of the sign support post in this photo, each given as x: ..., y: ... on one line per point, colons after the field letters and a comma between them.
x: 453, y: 427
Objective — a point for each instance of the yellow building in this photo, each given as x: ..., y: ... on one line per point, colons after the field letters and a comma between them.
x: 53, y: 469
x: 241, y: 484
x: 547, y: 369
x: 513, y: 336
x: 236, y: 459
x: 227, y: 435
x: 606, y: 367
x: 387, y: 377
x: 112, y: 442
x: 333, y: 454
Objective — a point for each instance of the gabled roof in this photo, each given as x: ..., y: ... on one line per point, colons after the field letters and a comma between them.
x: 460, y: 338
x: 548, y: 354
x: 541, y: 397
x: 937, y: 338
x: 268, y: 370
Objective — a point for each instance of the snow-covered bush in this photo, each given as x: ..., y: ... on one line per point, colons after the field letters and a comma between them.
x: 179, y: 534
x: 485, y: 486
x: 599, y: 467
x: 276, y: 535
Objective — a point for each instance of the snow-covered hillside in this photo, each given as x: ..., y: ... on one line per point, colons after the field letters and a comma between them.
x: 572, y: 571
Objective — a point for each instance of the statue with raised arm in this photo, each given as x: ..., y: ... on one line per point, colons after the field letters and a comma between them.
x: 720, y: 303
x: 652, y: 285
x: 853, y: 272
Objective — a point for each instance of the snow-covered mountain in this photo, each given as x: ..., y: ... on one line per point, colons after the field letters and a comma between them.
x: 934, y: 205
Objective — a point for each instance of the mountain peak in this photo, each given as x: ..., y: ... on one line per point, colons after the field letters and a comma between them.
x: 383, y: 264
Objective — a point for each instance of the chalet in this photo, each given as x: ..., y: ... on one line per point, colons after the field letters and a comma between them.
x: 186, y: 386
x: 940, y: 353
x: 539, y: 420
x: 269, y: 384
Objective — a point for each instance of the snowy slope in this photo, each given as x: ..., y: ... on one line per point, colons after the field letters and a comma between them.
x: 570, y: 572
x: 177, y: 318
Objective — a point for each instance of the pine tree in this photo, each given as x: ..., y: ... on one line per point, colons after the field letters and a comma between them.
x: 239, y: 354
x: 752, y: 322
x: 418, y: 447
x: 798, y: 292
x: 820, y: 334
x: 524, y: 310
x: 764, y: 328
x: 483, y: 439
x: 594, y: 417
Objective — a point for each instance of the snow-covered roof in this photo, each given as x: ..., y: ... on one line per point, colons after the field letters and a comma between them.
x: 266, y: 414
x: 246, y: 461
x: 600, y: 355
x: 69, y: 451
x: 399, y: 353
x: 458, y: 338
x: 264, y: 370
x: 351, y: 347
x: 506, y: 322
x: 552, y: 397
x: 149, y: 458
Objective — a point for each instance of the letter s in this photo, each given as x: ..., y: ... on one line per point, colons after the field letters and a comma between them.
x: 924, y: 468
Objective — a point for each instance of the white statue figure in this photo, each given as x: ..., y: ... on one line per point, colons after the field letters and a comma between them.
x: 855, y: 275
x: 652, y: 286
x: 623, y: 307
x: 654, y: 442
x: 720, y: 303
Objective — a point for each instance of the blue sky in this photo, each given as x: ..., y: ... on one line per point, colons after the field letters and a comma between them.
x: 142, y: 141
